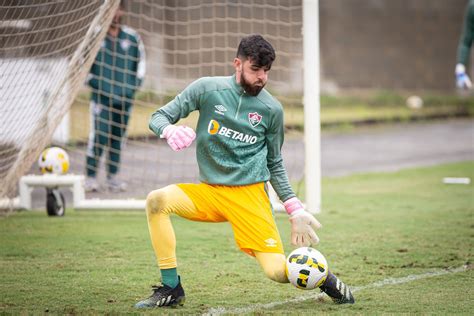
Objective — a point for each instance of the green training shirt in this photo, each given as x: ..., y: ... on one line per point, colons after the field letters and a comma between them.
x: 465, y: 41
x: 118, y: 69
x: 239, y: 137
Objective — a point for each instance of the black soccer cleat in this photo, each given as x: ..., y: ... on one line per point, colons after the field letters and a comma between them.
x: 163, y: 296
x: 337, y: 290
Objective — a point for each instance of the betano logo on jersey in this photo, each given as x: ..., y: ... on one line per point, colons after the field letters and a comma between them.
x: 215, y: 128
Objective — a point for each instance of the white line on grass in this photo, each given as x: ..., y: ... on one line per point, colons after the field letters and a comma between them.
x: 390, y: 281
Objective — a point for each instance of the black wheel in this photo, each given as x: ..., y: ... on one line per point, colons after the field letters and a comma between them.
x: 55, y: 203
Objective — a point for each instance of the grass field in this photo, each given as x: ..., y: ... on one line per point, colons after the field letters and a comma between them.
x: 376, y: 228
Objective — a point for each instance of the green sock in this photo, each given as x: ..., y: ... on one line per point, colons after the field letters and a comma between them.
x: 169, y: 277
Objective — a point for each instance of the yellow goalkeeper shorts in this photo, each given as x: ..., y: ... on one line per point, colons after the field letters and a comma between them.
x: 247, y: 208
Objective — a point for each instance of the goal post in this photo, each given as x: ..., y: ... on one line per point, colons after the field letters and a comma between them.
x: 183, y: 40
x: 311, y: 100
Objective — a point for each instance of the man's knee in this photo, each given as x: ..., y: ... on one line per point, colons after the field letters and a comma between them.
x: 277, y: 274
x: 157, y: 201
x: 274, y: 266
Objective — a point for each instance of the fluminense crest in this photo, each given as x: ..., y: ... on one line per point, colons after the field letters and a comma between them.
x: 254, y: 119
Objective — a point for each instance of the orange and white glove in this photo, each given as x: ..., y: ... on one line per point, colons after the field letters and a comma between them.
x: 303, y: 224
x: 178, y: 137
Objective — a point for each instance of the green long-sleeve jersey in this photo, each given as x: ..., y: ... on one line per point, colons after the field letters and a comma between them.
x: 118, y: 69
x: 467, y: 35
x: 239, y: 137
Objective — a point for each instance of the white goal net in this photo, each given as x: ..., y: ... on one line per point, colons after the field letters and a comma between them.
x: 47, y: 49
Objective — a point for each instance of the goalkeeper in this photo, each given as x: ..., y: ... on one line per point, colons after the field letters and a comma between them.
x: 239, y: 137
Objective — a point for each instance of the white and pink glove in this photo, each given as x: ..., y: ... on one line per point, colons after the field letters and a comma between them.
x: 462, y: 79
x: 303, y: 224
x: 178, y: 137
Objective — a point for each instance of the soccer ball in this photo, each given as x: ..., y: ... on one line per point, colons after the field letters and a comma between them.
x: 414, y: 102
x: 54, y: 160
x: 306, y: 268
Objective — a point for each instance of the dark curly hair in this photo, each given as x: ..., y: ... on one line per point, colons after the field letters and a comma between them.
x: 255, y: 48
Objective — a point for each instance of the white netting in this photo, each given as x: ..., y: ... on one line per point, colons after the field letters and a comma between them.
x: 183, y: 40
x: 45, y: 51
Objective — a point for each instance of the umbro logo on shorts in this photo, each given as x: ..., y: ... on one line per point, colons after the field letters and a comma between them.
x: 271, y: 242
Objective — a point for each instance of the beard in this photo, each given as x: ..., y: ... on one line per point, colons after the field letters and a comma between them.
x: 252, y: 89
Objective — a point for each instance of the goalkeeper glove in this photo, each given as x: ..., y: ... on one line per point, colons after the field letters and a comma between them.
x: 178, y: 137
x: 303, y: 224
x: 462, y: 79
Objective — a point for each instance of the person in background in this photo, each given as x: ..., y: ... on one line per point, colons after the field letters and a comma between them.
x: 464, y: 48
x: 115, y: 76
